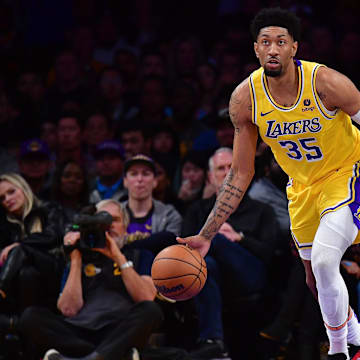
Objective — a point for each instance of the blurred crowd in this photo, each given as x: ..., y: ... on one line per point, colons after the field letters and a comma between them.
x: 129, y: 101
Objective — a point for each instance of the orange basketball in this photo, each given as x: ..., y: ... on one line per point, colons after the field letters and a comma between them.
x: 179, y: 272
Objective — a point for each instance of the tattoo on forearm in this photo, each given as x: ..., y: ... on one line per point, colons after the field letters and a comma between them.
x: 227, y: 200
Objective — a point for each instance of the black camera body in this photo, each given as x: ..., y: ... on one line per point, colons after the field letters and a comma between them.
x: 92, y: 229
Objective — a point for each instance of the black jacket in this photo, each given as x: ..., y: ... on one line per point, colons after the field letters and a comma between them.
x: 52, y: 220
x: 255, y: 219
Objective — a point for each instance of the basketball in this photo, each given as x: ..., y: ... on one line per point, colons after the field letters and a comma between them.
x: 179, y: 272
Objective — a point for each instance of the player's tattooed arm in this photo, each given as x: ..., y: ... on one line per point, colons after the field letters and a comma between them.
x: 241, y: 172
x: 239, y: 105
x: 227, y: 200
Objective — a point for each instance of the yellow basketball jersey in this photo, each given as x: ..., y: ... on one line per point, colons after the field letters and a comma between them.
x: 308, y: 141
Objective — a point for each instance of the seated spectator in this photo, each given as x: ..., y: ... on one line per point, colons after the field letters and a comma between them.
x: 70, y: 188
x: 31, y: 91
x: 109, y: 169
x: 69, y: 84
x: 30, y: 249
x: 98, y: 128
x: 135, y: 139
x: 153, y: 101
x: 107, y: 308
x: 152, y: 63
x: 165, y: 148
x: 112, y: 97
x: 164, y: 190
x: 126, y: 61
x: 184, y: 102
x: 34, y: 165
x: 238, y: 258
x: 206, y: 76
x: 70, y: 138
x: 192, y: 178
x: 147, y: 215
x: 222, y: 134
x: 153, y: 226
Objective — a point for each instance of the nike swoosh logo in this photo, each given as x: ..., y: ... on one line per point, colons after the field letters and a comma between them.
x: 263, y: 114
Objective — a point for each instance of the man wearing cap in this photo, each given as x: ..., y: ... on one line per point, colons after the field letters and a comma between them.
x: 34, y: 165
x: 147, y: 215
x: 109, y: 156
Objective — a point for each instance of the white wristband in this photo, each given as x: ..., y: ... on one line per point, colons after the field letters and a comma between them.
x: 126, y: 265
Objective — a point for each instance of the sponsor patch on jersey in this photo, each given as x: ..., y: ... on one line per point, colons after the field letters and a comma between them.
x: 307, y: 103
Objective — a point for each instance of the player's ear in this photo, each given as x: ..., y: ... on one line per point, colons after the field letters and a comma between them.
x: 256, y: 49
x: 294, y: 48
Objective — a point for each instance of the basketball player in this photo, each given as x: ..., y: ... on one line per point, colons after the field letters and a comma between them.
x: 303, y: 110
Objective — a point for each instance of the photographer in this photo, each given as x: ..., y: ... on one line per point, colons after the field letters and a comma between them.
x: 106, y: 304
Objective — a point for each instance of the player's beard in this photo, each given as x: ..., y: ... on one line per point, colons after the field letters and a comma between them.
x: 273, y: 73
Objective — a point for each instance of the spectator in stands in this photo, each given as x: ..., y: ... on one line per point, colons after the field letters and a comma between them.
x: 107, y: 39
x: 187, y: 56
x: 34, y: 165
x: 238, y: 260
x: 221, y: 134
x: 193, y: 178
x: 68, y: 86
x: 152, y: 64
x: 70, y: 188
x: 147, y: 215
x: 184, y: 102
x: 107, y: 308
x: 164, y: 190
x: 165, y: 149
x: 69, y: 138
x: 109, y: 168
x: 126, y: 61
x: 31, y: 90
x: 112, y: 96
x: 98, y: 128
x: 206, y: 76
x: 82, y: 43
x: 153, y: 101
x: 30, y: 249
x: 135, y: 139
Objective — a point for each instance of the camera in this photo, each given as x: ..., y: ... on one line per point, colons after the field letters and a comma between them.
x: 92, y: 229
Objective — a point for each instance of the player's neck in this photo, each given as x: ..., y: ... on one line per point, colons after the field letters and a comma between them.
x: 284, y: 88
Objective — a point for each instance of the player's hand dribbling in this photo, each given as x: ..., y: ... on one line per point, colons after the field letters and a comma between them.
x: 197, y: 242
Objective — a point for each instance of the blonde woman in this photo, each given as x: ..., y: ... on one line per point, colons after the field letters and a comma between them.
x: 30, y: 241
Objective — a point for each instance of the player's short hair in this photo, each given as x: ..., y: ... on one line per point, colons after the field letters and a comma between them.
x: 276, y: 17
